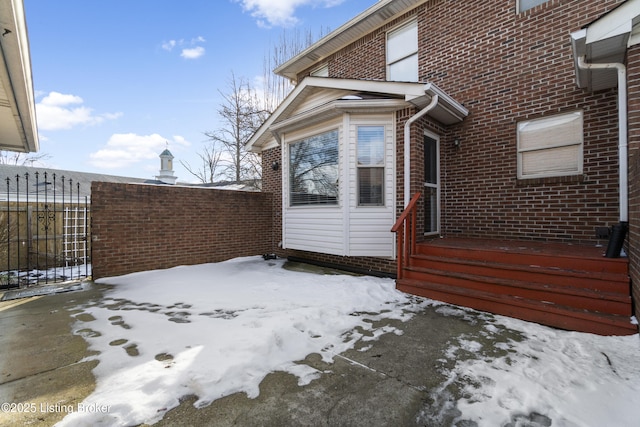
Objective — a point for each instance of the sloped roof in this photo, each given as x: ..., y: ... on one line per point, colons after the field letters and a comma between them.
x: 54, y: 180
x: 347, y: 95
x: 606, y: 40
x: 366, y: 22
x: 18, y: 130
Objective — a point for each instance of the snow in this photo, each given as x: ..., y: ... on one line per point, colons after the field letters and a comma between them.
x: 215, y: 329
x: 569, y: 379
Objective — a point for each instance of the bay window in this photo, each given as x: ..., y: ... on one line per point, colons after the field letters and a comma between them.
x: 313, y: 170
x: 370, y: 165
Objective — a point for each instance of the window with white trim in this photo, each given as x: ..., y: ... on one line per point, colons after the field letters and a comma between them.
x: 550, y: 146
x: 524, y: 5
x: 402, y: 53
x: 313, y: 170
x: 370, y: 165
x: 322, y: 71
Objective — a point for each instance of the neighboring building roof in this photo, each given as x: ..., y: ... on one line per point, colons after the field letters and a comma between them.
x: 62, y: 180
x: 66, y: 182
x: 606, y: 40
x: 366, y: 22
x: 247, y: 185
x: 18, y: 129
x: 355, y: 95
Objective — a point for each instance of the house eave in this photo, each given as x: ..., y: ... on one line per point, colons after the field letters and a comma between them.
x: 605, y: 41
x: 335, y: 109
x: 398, y: 95
x: 18, y: 129
x: 366, y: 22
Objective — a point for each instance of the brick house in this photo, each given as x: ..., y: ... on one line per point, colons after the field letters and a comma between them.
x: 490, y: 111
x: 18, y: 131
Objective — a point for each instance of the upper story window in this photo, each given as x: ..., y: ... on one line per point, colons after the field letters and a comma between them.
x: 524, y: 5
x: 370, y: 165
x: 402, y: 53
x: 313, y: 170
x: 551, y: 146
x: 321, y: 71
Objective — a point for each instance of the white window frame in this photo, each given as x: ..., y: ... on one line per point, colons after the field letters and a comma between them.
x: 322, y: 71
x: 405, y: 58
x: 435, y: 186
x: 524, y: 5
x: 319, y: 202
x: 550, y: 138
x: 370, y: 165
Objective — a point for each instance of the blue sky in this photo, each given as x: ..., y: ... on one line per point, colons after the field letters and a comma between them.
x: 116, y: 80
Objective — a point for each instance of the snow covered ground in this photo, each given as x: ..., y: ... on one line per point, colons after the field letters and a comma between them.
x: 216, y: 329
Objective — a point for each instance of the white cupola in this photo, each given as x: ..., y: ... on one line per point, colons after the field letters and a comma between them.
x: 166, y: 168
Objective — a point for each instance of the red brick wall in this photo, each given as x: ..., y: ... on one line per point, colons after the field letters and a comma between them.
x: 144, y: 227
x: 633, y: 76
x: 272, y: 183
x: 504, y: 68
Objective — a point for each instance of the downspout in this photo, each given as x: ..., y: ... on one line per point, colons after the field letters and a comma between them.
x: 407, y: 147
x: 617, y: 239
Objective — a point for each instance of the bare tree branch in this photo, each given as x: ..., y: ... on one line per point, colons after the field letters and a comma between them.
x: 242, y: 112
x: 22, y: 159
x: 210, y: 158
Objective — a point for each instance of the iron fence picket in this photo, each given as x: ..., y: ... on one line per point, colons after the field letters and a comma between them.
x: 46, y: 240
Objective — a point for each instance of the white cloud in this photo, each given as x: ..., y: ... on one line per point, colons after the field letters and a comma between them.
x: 179, y: 140
x: 169, y: 45
x: 58, y: 111
x: 126, y: 149
x: 190, y: 49
x: 192, y: 53
x: 280, y: 13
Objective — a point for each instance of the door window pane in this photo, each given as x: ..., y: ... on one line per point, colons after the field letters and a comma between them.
x: 431, y: 186
x: 430, y: 209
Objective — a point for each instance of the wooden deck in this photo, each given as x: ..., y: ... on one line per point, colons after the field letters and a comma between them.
x: 571, y: 287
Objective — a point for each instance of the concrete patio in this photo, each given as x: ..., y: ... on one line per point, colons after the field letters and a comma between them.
x: 43, y: 375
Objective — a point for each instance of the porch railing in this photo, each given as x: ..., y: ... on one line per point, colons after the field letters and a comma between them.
x: 405, y: 229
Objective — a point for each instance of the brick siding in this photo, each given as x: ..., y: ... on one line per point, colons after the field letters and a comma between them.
x: 504, y: 68
x: 633, y: 75
x: 145, y: 227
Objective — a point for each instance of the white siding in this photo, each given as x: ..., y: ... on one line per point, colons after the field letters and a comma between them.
x: 343, y: 229
x: 314, y: 229
x: 311, y: 228
x: 317, y: 99
x: 369, y: 226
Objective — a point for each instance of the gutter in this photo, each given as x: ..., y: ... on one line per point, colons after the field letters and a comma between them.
x: 623, y: 159
x: 407, y: 146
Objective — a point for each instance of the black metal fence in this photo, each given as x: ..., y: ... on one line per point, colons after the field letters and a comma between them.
x: 44, y: 231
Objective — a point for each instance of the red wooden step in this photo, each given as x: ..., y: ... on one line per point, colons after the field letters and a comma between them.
x: 577, y: 297
x: 567, y: 286
x: 541, y: 254
x: 523, y: 308
x: 600, y: 281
